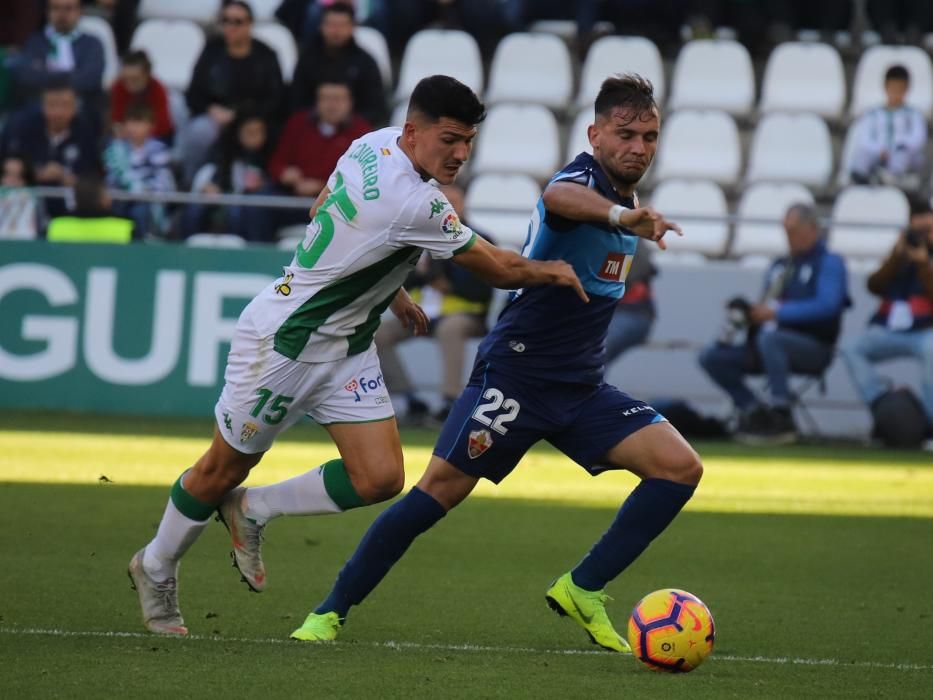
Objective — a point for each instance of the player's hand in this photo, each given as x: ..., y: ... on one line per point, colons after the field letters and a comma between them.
x: 646, y: 222
x: 562, y: 274
x: 409, y: 313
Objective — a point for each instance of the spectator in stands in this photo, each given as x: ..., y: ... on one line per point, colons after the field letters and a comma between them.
x: 61, y: 49
x: 903, y: 324
x: 793, y: 328
x: 457, y: 303
x: 20, y: 19
x: 634, y: 315
x: 334, y: 52
x: 60, y: 142
x: 136, y: 85
x: 137, y: 162
x: 890, y: 140
x: 313, y: 141
x: 92, y: 220
x: 20, y: 209
x: 234, y: 73
x: 237, y: 166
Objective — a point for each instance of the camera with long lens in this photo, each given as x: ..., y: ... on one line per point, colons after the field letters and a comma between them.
x: 735, y: 329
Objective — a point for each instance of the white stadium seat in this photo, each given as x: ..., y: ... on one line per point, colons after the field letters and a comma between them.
x: 885, y: 208
x: 768, y: 202
x: 280, y: 40
x: 804, y: 77
x: 531, y: 68
x: 791, y: 148
x: 577, y: 139
x: 373, y: 43
x: 398, y: 114
x: 868, y: 86
x: 680, y: 200
x: 501, y: 206
x: 215, y: 240
x: 699, y: 144
x: 100, y: 28
x: 518, y: 139
x: 445, y: 51
x: 847, y: 155
x: 200, y: 11
x: 173, y: 47
x: 620, y: 54
x: 264, y: 10
x: 713, y: 74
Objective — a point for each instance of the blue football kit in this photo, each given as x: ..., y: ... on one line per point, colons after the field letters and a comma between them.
x: 538, y: 375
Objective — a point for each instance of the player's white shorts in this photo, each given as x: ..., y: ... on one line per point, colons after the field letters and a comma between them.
x: 264, y: 392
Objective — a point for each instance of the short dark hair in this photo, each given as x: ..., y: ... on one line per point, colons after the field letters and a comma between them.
x: 920, y: 206
x: 439, y: 96
x: 138, y: 58
x: 238, y: 3
x: 630, y: 91
x: 88, y: 194
x: 138, y: 112
x: 897, y: 72
x: 29, y: 172
x: 58, y: 82
x: 340, y: 8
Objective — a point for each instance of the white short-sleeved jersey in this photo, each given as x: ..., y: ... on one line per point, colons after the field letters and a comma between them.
x: 363, y: 241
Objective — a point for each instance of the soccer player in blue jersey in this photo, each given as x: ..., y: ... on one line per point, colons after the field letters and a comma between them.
x: 539, y: 376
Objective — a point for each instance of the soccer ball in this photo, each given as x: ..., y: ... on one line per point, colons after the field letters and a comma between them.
x: 671, y: 630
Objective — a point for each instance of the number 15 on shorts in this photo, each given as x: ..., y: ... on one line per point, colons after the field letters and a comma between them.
x: 495, y: 401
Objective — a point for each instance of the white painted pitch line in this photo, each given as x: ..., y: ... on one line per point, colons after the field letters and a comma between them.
x: 415, y: 646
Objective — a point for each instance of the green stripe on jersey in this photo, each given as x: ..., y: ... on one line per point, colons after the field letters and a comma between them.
x: 363, y: 334
x: 293, y: 334
x: 466, y: 246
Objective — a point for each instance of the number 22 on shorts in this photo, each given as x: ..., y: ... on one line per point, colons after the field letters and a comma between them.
x: 495, y: 401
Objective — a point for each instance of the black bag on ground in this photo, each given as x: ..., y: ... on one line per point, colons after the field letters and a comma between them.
x: 899, y: 419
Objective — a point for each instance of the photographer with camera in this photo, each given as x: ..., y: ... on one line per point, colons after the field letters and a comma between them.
x: 792, y: 329
x: 901, y: 327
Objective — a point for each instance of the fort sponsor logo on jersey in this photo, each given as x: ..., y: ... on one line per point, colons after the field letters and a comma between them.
x: 364, y: 386
x: 451, y: 226
x: 615, y: 267
x: 480, y: 441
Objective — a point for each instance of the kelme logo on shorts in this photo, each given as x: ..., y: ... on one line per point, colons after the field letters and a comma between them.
x: 364, y: 385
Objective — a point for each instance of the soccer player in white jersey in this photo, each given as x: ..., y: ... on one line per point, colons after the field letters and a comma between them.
x: 303, y: 345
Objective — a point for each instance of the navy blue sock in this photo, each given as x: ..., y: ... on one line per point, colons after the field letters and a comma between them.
x: 384, y: 543
x: 646, y: 512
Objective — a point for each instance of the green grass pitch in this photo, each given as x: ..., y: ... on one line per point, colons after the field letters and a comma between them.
x: 817, y: 564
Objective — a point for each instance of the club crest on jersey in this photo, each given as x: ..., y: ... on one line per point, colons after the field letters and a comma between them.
x: 615, y: 267
x: 451, y: 227
x: 248, y: 432
x: 480, y: 441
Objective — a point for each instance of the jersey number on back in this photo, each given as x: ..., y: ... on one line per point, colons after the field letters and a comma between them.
x: 322, y: 225
x: 496, y: 401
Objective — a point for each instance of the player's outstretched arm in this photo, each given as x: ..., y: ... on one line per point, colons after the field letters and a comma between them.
x: 507, y: 270
x: 578, y: 203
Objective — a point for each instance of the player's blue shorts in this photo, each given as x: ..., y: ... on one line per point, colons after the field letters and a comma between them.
x: 499, y: 416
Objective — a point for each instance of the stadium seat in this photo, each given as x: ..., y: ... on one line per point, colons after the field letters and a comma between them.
x: 885, y: 208
x: 577, y: 139
x: 200, y: 11
x: 398, y: 114
x: 679, y: 200
x: 713, y: 74
x: 767, y: 202
x: 173, y: 46
x: 215, y: 240
x: 531, y: 68
x: 791, y: 148
x: 100, y: 28
x: 501, y: 206
x: 518, y: 139
x: 280, y: 40
x: 847, y: 155
x: 868, y: 85
x: 373, y: 43
x: 804, y: 77
x: 445, y: 51
x: 620, y: 54
x: 264, y: 10
x: 699, y: 144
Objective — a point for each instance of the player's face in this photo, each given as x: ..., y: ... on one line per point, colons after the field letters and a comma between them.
x: 439, y: 148
x: 624, y: 143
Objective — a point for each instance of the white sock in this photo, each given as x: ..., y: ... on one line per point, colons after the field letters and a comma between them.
x: 176, y: 533
x: 301, y: 495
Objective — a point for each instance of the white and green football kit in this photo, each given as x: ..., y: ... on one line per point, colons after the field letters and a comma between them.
x: 304, y: 344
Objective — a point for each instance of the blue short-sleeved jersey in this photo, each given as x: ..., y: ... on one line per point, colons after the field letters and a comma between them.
x: 548, y: 332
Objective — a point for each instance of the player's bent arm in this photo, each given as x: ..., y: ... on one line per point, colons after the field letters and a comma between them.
x: 507, y: 270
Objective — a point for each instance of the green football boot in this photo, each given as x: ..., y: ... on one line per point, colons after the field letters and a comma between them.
x: 587, y: 609
x: 318, y: 628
